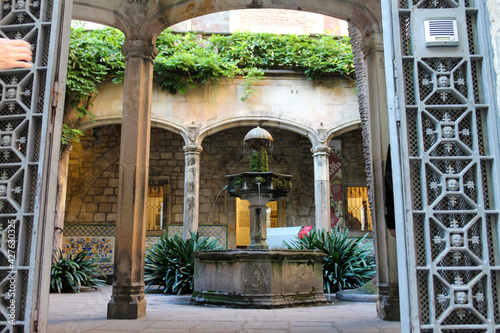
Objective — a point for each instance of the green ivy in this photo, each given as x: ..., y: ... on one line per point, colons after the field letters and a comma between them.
x: 316, y: 55
x: 187, y: 60
x: 94, y: 57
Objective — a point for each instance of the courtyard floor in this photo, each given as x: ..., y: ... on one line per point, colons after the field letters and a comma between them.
x: 86, y: 312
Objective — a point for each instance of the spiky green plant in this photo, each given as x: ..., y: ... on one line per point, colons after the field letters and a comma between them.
x: 170, y: 262
x: 72, y: 273
x: 348, y: 262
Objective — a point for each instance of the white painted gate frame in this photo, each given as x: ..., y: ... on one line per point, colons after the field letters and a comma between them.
x: 408, y: 286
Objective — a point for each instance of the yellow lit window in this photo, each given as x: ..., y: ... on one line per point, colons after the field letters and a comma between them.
x: 358, y: 215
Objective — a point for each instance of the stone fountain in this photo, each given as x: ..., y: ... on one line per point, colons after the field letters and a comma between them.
x: 258, y: 277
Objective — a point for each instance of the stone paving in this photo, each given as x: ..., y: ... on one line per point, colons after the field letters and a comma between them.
x: 86, y: 312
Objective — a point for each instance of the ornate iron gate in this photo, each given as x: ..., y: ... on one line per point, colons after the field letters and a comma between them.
x: 28, y: 107
x: 446, y: 117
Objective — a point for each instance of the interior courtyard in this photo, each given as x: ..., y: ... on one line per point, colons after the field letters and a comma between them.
x: 152, y: 163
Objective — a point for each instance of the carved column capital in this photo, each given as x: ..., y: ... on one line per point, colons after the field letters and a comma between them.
x: 138, y: 48
x: 373, y: 43
x: 192, y: 149
x: 321, y: 151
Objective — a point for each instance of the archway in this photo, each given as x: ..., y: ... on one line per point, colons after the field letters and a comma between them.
x: 139, y: 52
x: 142, y: 22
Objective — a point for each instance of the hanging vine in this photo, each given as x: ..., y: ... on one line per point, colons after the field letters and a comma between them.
x: 187, y: 60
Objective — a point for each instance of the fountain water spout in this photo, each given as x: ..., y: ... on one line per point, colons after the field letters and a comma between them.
x: 213, y: 205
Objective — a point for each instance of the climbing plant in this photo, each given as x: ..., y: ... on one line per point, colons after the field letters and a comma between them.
x: 94, y: 57
x: 186, y: 60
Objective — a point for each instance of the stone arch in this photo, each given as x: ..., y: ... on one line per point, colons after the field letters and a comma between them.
x: 105, y: 160
x: 154, y: 124
x: 257, y: 121
x: 294, y: 127
x: 100, y: 123
x: 168, y: 126
x: 152, y: 18
x: 348, y: 127
x: 291, y: 155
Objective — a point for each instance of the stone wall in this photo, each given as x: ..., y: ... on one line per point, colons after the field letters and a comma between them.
x: 282, y: 97
x: 223, y: 155
x: 93, y: 177
x: 93, y: 173
x: 278, y: 21
x: 265, y: 20
x: 353, y: 160
x: 166, y: 165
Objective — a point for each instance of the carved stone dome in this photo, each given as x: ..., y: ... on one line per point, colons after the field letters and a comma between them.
x: 258, y: 133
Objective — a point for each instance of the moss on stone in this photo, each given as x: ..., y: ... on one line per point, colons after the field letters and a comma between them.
x: 259, y: 161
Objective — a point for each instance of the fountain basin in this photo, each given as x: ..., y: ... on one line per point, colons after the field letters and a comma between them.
x: 272, y: 184
x: 258, y: 279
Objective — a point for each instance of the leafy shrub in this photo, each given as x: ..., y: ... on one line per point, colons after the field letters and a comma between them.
x: 72, y: 273
x: 348, y: 262
x: 170, y: 262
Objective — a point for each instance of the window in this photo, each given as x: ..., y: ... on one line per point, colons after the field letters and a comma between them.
x: 358, y: 210
x: 158, y: 207
x: 275, y: 218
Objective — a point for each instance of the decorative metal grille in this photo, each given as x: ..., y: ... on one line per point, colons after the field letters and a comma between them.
x: 24, y: 109
x: 447, y: 123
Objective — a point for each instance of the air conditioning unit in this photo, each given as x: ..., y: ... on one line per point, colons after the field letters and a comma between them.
x: 441, y: 32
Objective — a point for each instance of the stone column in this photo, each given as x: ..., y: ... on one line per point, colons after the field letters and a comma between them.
x: 321, y: 187
x: 62, y: 187
x: 127, y: 299
x: 258, y: 227
x: 191, y: 188
x: 385, y: 245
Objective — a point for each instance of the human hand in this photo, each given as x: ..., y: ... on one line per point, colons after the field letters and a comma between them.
x: 14, y: 53
x: 392, y: 232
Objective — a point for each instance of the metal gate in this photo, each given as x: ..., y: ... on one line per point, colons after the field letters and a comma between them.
x: 29, y: 143
x: 444, y: 114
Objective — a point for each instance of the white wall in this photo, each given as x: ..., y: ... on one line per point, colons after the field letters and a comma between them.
x: 305, y: 104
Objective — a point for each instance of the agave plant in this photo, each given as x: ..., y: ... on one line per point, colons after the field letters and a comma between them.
x: 74, y: 272
x: 348, y: 263
x: 170, y: 262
